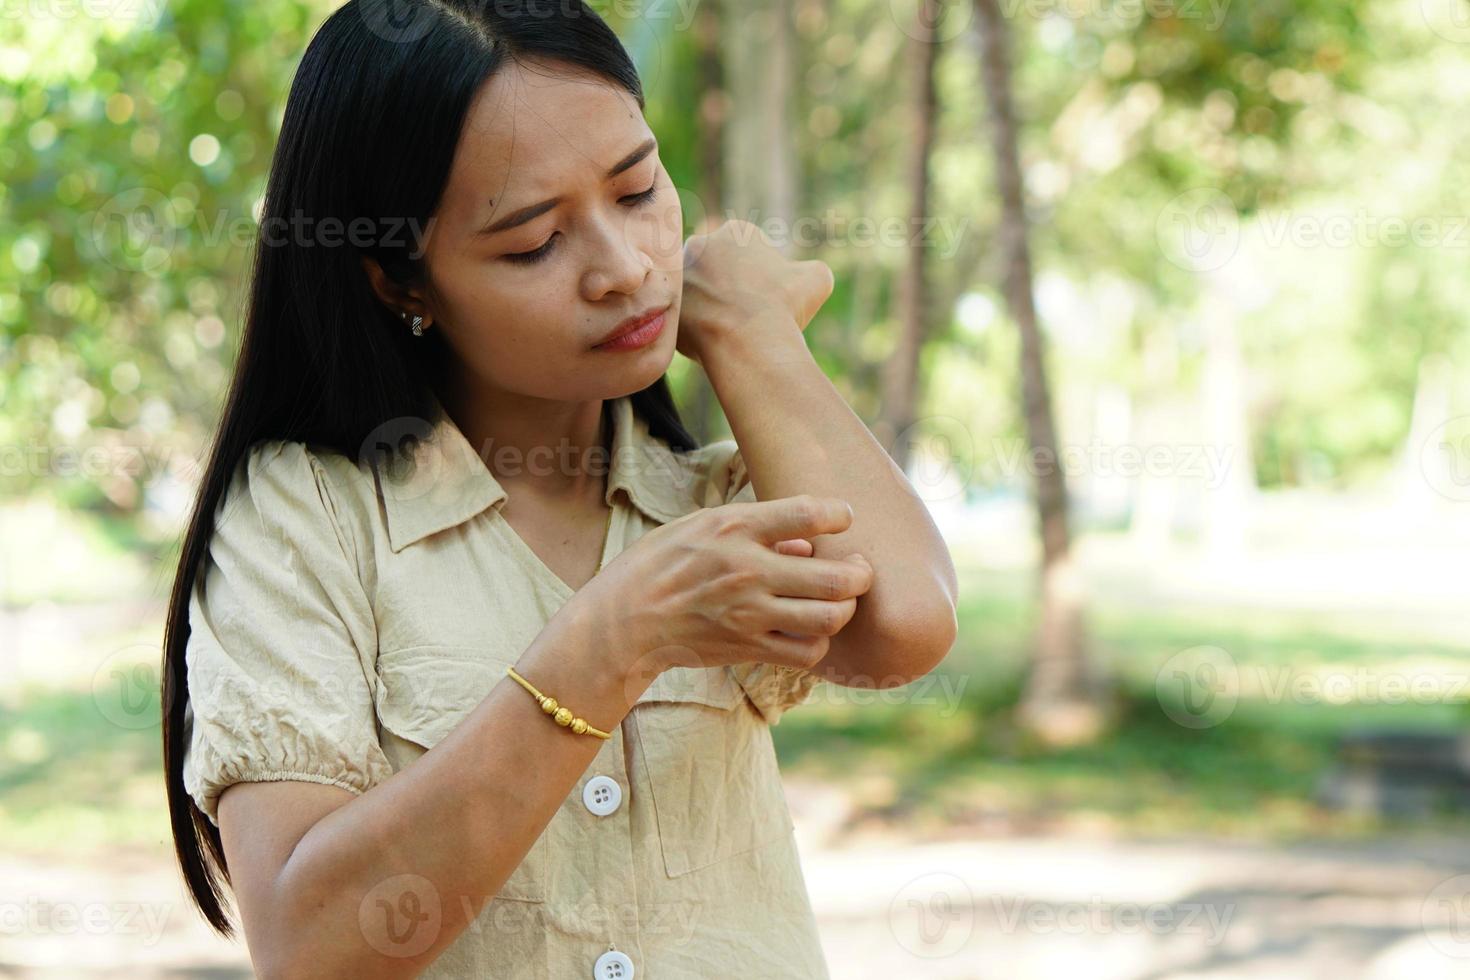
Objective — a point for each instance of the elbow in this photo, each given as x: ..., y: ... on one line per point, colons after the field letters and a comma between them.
x: 920, y: 624
x: 946, y: 626
x: 934, y: 637
x: 914, y: 641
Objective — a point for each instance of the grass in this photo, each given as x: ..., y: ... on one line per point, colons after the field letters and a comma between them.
x: 941, y: 755
x: 941, y: 763
x: 71, y: 779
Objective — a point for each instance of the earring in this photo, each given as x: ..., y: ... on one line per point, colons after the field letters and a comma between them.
x: 418, y: 323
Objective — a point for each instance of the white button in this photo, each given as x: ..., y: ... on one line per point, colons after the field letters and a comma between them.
x: 602, y: 795
x: 612, y: 965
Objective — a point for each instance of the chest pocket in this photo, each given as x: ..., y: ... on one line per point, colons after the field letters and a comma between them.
x: 423, y: 693
x: 711, y: 768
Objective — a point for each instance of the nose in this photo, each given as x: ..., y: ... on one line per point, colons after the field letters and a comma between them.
x: 618, y: 261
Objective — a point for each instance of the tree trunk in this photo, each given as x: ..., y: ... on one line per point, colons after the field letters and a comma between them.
x: 714, y: 108
x: 1427, y: 476
x: 1062, y: 702
x: 761, y: 166
x: 901, y: 374
x: 1228, y: 505
x: 758, y: 178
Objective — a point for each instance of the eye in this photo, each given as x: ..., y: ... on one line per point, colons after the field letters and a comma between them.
x: 644, y: 197
x: 536, y: 255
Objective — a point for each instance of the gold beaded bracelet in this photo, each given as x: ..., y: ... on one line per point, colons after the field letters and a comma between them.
x: 562, y: 716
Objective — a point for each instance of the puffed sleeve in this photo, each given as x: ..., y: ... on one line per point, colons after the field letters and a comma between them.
x: 774, y: 689
x: 282, y: 639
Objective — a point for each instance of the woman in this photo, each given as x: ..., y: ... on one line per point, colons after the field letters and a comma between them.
x: 396, y: 559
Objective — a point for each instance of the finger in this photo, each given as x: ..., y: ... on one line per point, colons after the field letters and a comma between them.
x: 812, y: 289
x: 809, y: 617
x: 800, y: 547
x: 820, y: 274
x: 792, y: 650
x: 817, y: 578
x: 802, y: 516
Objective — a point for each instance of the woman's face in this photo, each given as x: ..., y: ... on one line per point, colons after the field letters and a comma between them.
x: 558, y: 223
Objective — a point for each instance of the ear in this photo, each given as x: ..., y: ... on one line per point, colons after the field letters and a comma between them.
x: 390, y: 294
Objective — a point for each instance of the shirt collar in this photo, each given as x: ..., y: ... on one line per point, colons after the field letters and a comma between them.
x: 448, y: 483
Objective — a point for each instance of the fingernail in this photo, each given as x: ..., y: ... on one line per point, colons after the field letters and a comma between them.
x: 858, y: 557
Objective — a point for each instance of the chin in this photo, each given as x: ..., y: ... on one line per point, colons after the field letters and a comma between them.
x: 653, y: 362
x: 636, y: 372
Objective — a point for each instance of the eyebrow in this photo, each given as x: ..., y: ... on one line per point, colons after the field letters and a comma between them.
x: 520, y: 217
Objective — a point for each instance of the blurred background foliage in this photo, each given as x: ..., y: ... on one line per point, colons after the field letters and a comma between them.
x: 1248, y: 229
x: 1275, y: 105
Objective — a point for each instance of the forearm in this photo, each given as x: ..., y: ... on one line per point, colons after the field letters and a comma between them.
x: 461, y: 818
x: 797, y: 435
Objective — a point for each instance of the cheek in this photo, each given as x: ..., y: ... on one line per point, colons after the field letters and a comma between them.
x: 672, y: 219
x: 494, y: 317
x: 526, y: 324
x: 659, y: 229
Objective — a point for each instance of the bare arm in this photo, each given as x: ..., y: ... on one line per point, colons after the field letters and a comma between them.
x: 303, y: 857
x: 798, y: 435
x: 743, y: 310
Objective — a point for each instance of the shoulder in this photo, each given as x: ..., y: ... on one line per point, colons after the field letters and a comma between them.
x: 288, y: 487
x: 273, y: 478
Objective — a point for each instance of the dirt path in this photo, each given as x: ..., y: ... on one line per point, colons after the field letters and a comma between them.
x: 1048, y: 908
x: 959, y: 910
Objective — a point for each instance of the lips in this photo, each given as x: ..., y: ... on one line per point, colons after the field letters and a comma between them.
x: 632, y: 323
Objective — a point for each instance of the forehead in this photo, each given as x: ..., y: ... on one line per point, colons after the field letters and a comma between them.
x: 536, y: 130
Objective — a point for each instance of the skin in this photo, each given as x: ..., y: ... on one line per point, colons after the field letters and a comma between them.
x: 538, y: 131
x: 731, y: 584
x: 747, y: 305
x: 611, y: 249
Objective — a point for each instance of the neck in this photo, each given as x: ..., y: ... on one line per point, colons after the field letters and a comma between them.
x: 559, y: 450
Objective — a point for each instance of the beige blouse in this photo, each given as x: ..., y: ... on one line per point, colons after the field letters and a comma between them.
x: 348, y: 616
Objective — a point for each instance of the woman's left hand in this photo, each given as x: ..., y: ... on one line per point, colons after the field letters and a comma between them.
x: 735, y: 280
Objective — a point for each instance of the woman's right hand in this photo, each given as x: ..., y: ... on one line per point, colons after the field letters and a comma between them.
x: 732, y: 584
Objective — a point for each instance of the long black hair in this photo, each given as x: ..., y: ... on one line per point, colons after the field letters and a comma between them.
x: 370, y: 129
